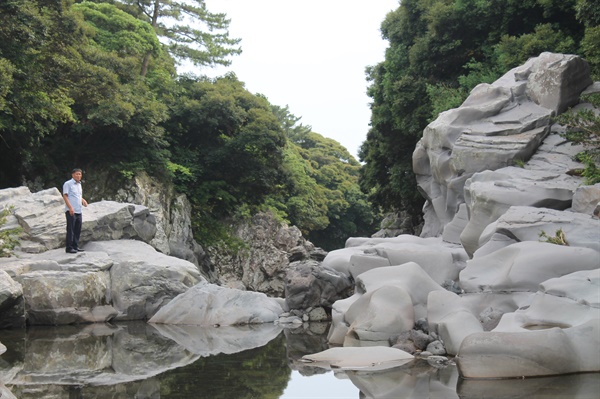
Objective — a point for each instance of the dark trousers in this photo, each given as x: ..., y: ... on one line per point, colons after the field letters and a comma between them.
x: 73, y: 230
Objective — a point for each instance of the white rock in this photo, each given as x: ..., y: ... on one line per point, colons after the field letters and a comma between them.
x: 409, y: 276
x: 210, y: 305
x: 365, y: 358
x: 524, y: 265
x: 586, y: 199
x: 525, y: 223
x: 582, y: 287
x: 380, y: 314
x: 533, y: 353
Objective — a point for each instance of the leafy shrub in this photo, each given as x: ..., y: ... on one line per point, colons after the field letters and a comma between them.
x: 558, y: 238
x: 8, y: 237
x: 583, y: 127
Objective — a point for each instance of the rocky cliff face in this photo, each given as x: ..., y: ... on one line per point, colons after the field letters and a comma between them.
x: 172, y: 213
x: 270, y: 246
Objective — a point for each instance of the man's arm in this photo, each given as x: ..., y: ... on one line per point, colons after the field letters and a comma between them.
x: 68, y: 203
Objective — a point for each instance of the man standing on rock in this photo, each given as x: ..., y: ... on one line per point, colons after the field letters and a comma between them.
x: 73, y: 196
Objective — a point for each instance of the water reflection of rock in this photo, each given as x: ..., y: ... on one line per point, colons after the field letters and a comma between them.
x: 304, y: 340
x: 574, y: 386
x: 414, y: 380
x: 57, y: 362
x: 205, y: 341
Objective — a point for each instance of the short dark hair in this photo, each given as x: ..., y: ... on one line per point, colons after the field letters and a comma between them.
x: 76, y: 170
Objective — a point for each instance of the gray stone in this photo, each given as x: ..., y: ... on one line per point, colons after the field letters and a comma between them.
x: 523, y: 223
x: 380, y: 314
x: 436, y: 348
x: 535, y: 353
x: 310, y: 284
x: 144, y: 280
x: 556, y: 80
x: 490, y: 194
x: 12, y: 305
x: 498, y: 125
x: 586, y: 199
x: 523, y: 266
x: 374, y: 358
x: 410, y: 277
x: 210, y: 305
x: 582, y: 287
x: 62, y: 297
x: 318, y: 314
x: 421, y: 339
x: 271, y: 246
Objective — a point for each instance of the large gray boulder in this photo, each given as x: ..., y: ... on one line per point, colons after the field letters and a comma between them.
x: 111, y: 280
x: 498, y: 125
x: 455, y: 317
x: 210, y: 305
x: 525, y: 223
x: 525, y: 265
x: 309, y: 284
x: 366, y: 315
x: 441, y: 260
x: 555, y: 81
x: 380, y: 314
x: 41, y: 216
x: 12, y: 306
x: 490, y: 194
x: 142, y: 279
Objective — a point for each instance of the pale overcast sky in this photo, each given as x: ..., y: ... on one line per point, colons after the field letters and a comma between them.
x: 310, y: 55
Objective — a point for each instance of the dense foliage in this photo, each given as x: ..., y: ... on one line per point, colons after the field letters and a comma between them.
x: 438, y: 51
x: 583, y: 127
x: 8, y: 236
x: 90, y: 84
x: 322, y: 195
x: 188, y: 29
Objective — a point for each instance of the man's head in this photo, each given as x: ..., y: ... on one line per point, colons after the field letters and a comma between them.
x: 77, y: 174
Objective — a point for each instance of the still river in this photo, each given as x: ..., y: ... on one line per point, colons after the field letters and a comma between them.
x: 139, y: 360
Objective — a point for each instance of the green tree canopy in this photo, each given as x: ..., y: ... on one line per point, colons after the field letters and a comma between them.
x: 189, y: 31
x: 229, y: 142
x: 73, y: 89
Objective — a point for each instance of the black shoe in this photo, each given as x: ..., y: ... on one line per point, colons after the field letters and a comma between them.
x: 71, y: 251
x: 80, y: 250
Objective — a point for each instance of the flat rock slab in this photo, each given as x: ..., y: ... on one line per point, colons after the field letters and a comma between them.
x: 359, y: 358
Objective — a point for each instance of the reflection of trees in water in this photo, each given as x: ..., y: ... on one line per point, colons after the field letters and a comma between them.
x: 255, y: 373
x: 305, y: 340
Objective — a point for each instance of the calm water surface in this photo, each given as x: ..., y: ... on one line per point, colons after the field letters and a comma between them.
x: 139, y: 360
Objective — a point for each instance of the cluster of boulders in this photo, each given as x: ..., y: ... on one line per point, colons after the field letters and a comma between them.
x: 507, y: 269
